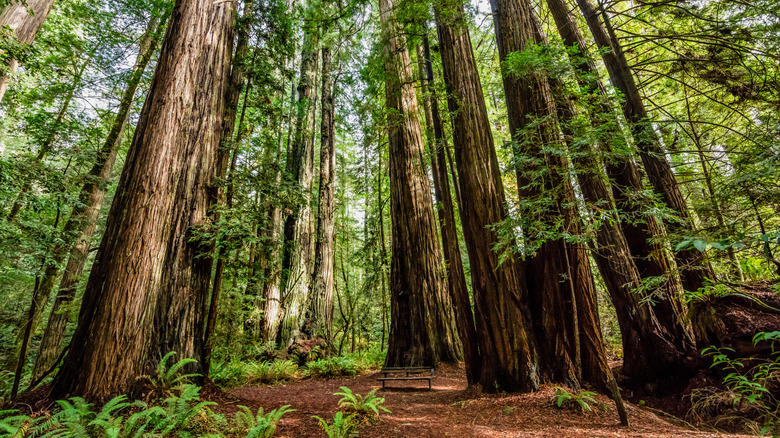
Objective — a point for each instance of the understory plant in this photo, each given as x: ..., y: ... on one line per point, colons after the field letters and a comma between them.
x: 583, y: 400
x: 749, y: 392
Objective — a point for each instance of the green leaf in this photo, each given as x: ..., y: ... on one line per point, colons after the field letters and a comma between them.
x: 700, y: 245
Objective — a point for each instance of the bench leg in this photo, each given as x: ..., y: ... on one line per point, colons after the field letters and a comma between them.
x: 429, y: 384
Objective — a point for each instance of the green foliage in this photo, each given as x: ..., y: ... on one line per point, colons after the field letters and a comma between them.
x: 340, y: 427
x: 747, y: 385
x: 167, y: 377
x: 260, y: 425
x: 333, y: 366
x: 181, y: 415
x: 365, y: 406
x: 583, y: 400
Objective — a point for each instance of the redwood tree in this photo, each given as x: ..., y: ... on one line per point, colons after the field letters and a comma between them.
x: 147, y: 290
x: 422, y: 330
x: 506, y: 341
x: 320, y: 317
x: 456, y: 277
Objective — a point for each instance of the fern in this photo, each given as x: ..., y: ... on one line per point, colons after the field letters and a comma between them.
x: 177, y: 412
x: 16, y: 425
x: 260, y: 425
x: 367, y: 406
x: 170, y: 377
x: 341, y: 427
x: 583, y: 400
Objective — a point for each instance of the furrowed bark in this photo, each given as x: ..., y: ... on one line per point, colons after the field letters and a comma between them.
x: 301, y: 168
x: 321, y: 305
x: 694, y: 270
x: 456, y: 278
x: 25, y: 27
x: 422, y: 330
x: 506, y: 340
x: 147, y: 291
x: 83, y: 219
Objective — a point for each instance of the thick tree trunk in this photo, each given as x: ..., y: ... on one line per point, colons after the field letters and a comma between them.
x: 651, y: 352
x: 320, y: 319
x: 506, y: 341
x: 270, y: 256
x: 643, y: 233
x: 83, y: 219
x: 659, y: 172
x: 147, y: 291
x: 456, y: 278
x: 25, y: 27
x: 422, y: 329
x: 542, y: 183
x: 298, y: 237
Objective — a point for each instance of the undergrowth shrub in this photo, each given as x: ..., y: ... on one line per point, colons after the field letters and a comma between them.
x: 583, y: 401
x: 334, y: 366
x: 260, y: 425
x: 340, y: 427
x: 749, y: 396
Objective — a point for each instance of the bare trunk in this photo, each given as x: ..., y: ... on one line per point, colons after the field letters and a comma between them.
x: 321, y: 306
x: 506, y: 341
x: 83, y: 219
x: 298, y: 228
x: 147, y: 291
x: 643, y: 232
x: 227, y: 147
x: 422, y: 330
x: 659, y: 172
x: 456, y: 278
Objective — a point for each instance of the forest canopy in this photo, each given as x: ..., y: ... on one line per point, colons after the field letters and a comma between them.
x: 571, y: 192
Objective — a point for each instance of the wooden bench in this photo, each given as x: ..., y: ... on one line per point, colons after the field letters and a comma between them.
x: 406, y: 373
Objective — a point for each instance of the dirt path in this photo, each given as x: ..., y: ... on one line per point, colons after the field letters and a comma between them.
x: 450, y: 411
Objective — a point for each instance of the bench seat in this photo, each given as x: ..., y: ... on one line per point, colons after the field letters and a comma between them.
x: 411, y: 373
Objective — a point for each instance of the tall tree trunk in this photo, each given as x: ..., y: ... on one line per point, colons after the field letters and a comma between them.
x: 301, y: 168
x: 544, y: 187
x: 227, y: 148
x: 456, y: 278
x: 25, y: 26
x: 651, y: 352
x: 321, y: 306
x: 83, y: 219
x: 643, y: 233
x: 659, y: 172
x: 508, y: 353
x: 422, y: 328
x: 147, y: 291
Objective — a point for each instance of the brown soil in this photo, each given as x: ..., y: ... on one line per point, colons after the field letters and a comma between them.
x: 450, y: 410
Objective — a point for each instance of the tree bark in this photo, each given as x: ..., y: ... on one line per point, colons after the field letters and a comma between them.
x: 298, y: 227
x: 456, y: 278
x: 147, y: 291
x: 651, y: 352
x: 227, y: 148
x: 644, y: 233
x: 422, y: 328
x: 545, y: 189
x: 659, y: 172
x: 321, y: 305
x: 80, y: 227
x: 508, y: 353
x: 25, y: 27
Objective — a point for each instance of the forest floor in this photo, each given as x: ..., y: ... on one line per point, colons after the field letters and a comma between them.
x: 450, y: 410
